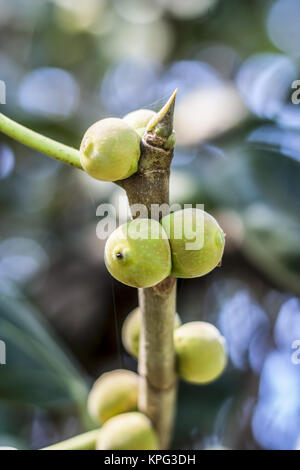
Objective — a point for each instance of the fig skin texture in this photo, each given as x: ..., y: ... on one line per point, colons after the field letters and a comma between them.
x: 132, y: 328
x: 128, y: 431
x: 110, y: 150
x: 200, y: 352
x: 138, y: 253
x: 139, y: 119
x: 113, y: 393
x: 184, y: 228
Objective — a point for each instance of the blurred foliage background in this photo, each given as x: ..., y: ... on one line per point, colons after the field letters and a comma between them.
x: 67, y: 64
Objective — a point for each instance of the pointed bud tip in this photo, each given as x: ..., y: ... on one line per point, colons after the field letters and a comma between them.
x: 161, y: 115
x: 173, y: 96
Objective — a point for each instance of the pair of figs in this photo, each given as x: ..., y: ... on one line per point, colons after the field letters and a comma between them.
x: 112, y: 402
x: 110, y: 149
x: 187, y: 243
x: 113, y: 399
x: 199, y: 346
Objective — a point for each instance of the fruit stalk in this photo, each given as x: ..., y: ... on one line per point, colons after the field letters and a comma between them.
x: 150, y: 185
x: 39, y: 142
x: 86, y: 441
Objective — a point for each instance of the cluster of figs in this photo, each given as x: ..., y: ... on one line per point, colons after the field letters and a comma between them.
x: 142, y: 253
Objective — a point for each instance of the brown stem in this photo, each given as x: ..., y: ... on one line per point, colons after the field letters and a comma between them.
x: 156, y: 357
x: 150, y: 185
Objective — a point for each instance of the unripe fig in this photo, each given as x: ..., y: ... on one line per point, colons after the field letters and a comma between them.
x: 110, y: 150
x: 139, y: 119
x: 132, y: 328
x: 128, y: 431
x: 197, y: 242
x: 201, y: 352
x: 138, y: 253
x: 113, y: 393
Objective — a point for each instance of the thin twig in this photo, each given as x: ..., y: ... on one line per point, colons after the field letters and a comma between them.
x: 86, y: 441
x: 39, y: 142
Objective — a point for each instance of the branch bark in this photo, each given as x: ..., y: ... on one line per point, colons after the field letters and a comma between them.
x: 150, y: 185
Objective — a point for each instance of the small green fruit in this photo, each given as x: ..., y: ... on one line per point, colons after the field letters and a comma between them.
x: 201, y: 352
x: 113, y: 393
x: 138, y: 253
x: 110, y: 150
x: 129, y: 431
x: 197, y: 242
x: 139, y: 119
x: 131, y: 331
x: 171, y: 141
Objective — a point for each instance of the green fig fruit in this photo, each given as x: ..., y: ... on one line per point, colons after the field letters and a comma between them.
x: 197, y: 242
x: 139, y: 119
x: 110, y: 150
x: 128, y: 431
x: 138, y: 253
x: 113, y: 393
x: 132, y: 328
x: 200, y: 351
